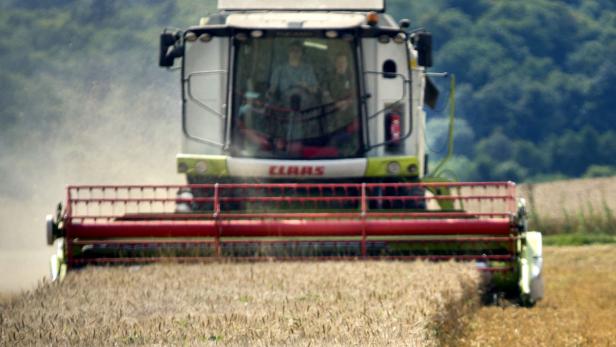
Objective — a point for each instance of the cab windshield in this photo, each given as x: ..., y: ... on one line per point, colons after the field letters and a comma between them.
x: 295, y: 97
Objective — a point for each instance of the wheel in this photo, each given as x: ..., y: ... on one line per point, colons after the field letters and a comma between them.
x: 49, y: 227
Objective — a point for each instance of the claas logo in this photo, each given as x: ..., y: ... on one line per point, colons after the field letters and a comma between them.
x: 296, y: 170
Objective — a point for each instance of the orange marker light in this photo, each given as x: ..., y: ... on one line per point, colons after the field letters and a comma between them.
x: 372, y: 18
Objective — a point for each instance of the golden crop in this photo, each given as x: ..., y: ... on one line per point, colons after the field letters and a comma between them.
x: 322, y: 303
x: 555, y: 199
x: 578, y: 308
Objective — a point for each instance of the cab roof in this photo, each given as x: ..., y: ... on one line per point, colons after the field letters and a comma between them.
x: 304, y: 5
x: 285, y: 20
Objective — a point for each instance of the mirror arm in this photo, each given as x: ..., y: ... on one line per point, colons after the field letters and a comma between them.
x: 452, y: 115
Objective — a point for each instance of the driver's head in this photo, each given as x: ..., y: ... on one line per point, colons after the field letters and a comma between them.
x: 295, y: 53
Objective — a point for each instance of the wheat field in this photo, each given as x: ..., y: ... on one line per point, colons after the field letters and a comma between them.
x: 567, y: 204
x: 332, y: 303
x: 329, y: 303
x: 578, y: 308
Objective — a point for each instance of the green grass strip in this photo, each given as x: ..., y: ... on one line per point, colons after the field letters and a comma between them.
x: 578, y: 239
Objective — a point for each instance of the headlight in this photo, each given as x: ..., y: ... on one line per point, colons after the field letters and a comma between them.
x: 412, y: 169
x: 400, y: 38
x: 331, y: 34
x: 183, y: 204
x: 190, y: 37
x: 205, y: 37
x: 241, y: 37
x: 182, y: 167
x: 201, y: 167
x: 185, y: 195
x: 393, y: 168
x: 384, y: 39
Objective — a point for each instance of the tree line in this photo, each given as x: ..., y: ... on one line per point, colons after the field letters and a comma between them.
x: 536, y: 78
x: 536, y: 84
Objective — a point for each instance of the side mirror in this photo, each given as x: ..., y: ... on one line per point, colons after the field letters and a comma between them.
x: 169, y: 50
x: 423, y: 44
x: 430, y: 93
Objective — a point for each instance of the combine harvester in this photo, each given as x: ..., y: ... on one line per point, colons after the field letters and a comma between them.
x: 303, y: 138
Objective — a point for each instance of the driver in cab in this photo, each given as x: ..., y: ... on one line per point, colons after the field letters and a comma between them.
x: 293, y: 78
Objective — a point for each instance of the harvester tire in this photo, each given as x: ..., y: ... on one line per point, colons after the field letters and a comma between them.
x: 49, y: 229
x: 527, y: 300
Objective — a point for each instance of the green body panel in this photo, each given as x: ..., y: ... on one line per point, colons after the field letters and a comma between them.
x: 377, y: 166
x: 216, y: 164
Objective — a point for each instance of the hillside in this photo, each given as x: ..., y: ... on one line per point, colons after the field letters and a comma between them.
x: 535, y: 83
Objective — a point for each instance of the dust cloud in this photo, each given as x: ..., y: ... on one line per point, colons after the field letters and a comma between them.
x: 110, y: 133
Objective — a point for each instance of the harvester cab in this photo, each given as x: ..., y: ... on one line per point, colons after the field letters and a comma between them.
x: 303, y: 131
x: 315, y: 92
